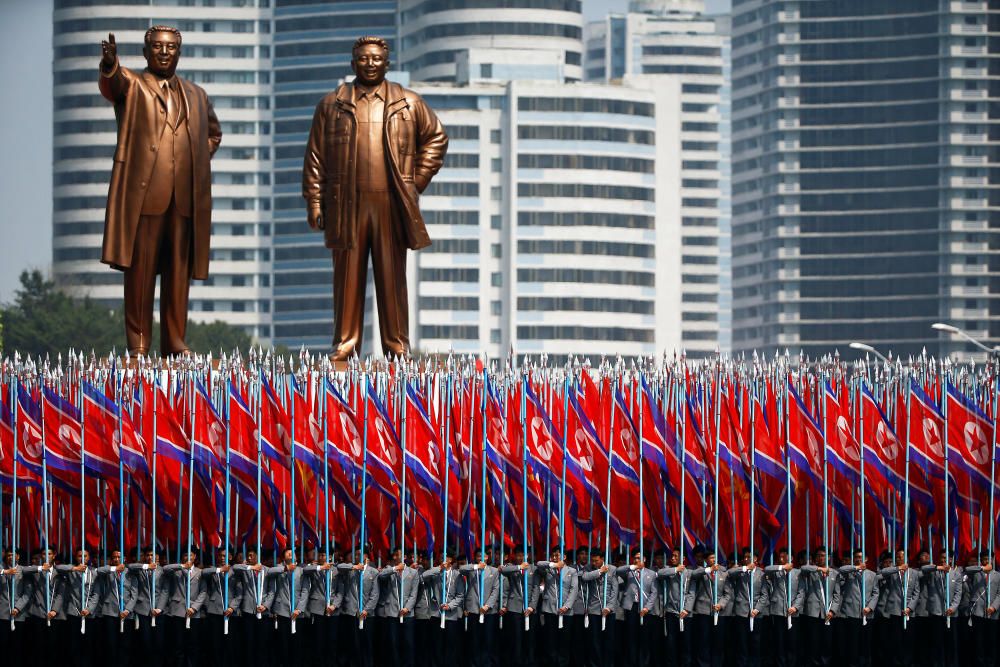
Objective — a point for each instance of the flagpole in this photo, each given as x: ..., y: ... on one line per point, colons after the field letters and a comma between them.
x: 681, y: 397
x: 190, y: 531
x: 826, y: 496
x: 642, y: 554
x: 993, y: 464
x: 83, y: 510
x: 119, y: 379
x: 364, y: 497
x: 607, y: 522
x: 715, y: 505
x: 402, y: 388
x: 446, y: 410
x: 562, y: 492
x: 225, y: 591
x: 788, y: 496
x: 482, y: 513
x: 155, y: 391
x: 525, y: 531
x: 44, y: 576
x: 15, y: 518
x: 946, y: 538
x: 326, y: 479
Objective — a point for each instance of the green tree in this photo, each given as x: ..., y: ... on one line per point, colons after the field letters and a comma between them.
x: 43, y: 320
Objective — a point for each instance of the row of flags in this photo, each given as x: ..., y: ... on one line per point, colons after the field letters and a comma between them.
x: 714, y: 453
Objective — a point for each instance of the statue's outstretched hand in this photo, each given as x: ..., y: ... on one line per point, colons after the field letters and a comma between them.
x: 109, y: 51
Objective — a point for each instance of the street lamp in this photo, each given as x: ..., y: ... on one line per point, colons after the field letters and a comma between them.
x: 955, y: 331
x: 869, y: 348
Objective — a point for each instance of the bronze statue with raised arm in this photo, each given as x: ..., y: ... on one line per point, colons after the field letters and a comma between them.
x: 159, y: 214
x: 373, y: 148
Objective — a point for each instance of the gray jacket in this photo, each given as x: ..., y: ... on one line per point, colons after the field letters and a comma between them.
x: 449, y: 586
x: 891, y: 591
x: 17, y: 588
x: 669, y: 581
x: 816, y: 594
x: 39, y: 606
x: 639, y: 589
x: 111, y: 592
x: 850, y: 602
x: 980, y: 592
x: 278, y: 598
x: 352, y: 586
x: 390, y: 603
x: 326, y: 587
x: 427, y: 604
x: 75, y: 584
x: 700, y: 592
x: 172, y: 598
x: 934, y: 591
x: 491, y: 588
x: 253, y: 587
x: 514, y: 588
x: 552, y: 582
x: 600, y: 590
x: 741, y: 587
x: 214, y: 586
x: 779, y: 584
x: 143, y: 582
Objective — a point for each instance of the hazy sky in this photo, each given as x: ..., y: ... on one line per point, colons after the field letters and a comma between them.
x: 26, y: 132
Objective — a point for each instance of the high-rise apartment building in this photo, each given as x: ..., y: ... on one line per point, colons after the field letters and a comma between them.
x: 435, y: 32
x: 865, y: 198
x: 672, y: 43
x: 226, y: 50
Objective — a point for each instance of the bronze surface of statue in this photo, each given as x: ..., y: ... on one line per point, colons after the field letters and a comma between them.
x: 159, y: 213
x: 373, y: 148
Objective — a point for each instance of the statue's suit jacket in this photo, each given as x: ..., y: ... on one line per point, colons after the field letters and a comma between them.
x: 140, y: 109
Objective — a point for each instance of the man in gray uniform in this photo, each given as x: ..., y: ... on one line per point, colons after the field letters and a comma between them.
x: 782, y: 578
x: 600, y: 587
x: 253, y: 624
x: 146, y: 578
x: 178, y: 599
x: 519, y: 643
x: 45, y: 606
x: 745, y: 594
x: 672, y: 606
x: 78, y: 581
x: 940, y: 597
x: 981, y: 601
x: 16, y: 591
x: 482, y: 604
x: 818, y: 588
x: 560, y: 586
x: 108, y: 604
x: 639, y: 600
x: 286, y: 600
x: 899, y: 592
x: 326, y: 596
x: 220, y: 604
x: 706, y: 645
x: 449, y: 585
x: 854, y: 608
x: 399, y: 585
x: 361, y: 593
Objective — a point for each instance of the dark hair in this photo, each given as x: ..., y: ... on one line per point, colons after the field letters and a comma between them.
x: 369, y: 39
x: 148, y: 38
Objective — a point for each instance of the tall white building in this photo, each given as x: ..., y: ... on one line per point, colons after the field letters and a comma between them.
x: 433, y: 33
x: 551, y: 233
x: 226, y: 50
x: 672, y: 44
